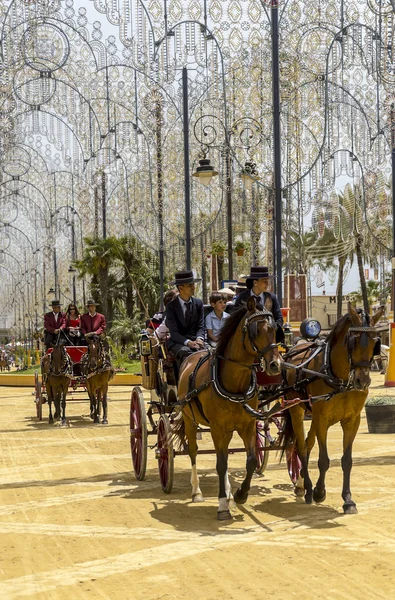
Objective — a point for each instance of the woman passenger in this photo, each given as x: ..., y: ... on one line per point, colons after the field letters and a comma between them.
x: 73, y: 324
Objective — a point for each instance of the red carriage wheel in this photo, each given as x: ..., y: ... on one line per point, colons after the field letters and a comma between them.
x: 262, y: 455
x: 138, y: 433
x: 293, y: 463
x: 165, y: 454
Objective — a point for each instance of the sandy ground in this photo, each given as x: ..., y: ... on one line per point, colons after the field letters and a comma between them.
x: 75, y: 524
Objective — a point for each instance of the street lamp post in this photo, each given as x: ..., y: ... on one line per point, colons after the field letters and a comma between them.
x: 187, y: 185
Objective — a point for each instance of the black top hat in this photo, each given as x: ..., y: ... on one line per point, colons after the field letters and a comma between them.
x: 184, y: 277
x: 91, y: 303
x: 55, y: 303
x: 259, y: 273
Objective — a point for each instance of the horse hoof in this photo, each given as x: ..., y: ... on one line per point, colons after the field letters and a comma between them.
x: 239, y: 497
x: 56, y: 416
x: 350, y: 509
x: 104, y: 422
x: 63, y: 423
x: 308, y: 498
x: 299, y: 492
x: 50, y: 421
x: 197, y: 498
x: 92, y: 415
x: 318, y: 498
x: 224, y: 515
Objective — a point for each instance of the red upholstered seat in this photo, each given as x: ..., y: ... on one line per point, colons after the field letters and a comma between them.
x: 75, y: 352
x: 265, y: 379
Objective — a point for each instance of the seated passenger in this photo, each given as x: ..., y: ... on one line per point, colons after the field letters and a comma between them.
x: 73, y: 324
x: 185, y: 318
x: 162, y: 331
x: 216, y: 318
x: 54, y: 324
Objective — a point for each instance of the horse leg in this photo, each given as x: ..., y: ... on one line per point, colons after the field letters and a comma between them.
x: 249, y: 438
x: 98, y: 405
x: 221, y: 443
x: 304, y: 482
x: 319, y: 494
x: 64, y: 392
x: 50, y: 400
x: 190, y: 434
x: 104, y: 400
x: 350, y: 429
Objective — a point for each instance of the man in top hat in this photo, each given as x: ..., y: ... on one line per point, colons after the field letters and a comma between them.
x: 185, y: 318
x: 92, y: 322
x: 257, y: 284
x: 54, y: 323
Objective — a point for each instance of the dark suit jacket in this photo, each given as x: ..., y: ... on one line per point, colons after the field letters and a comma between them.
x: 50, y: 324
x: 179, y: 332
x: 276, y: 310
x: 96, y: 324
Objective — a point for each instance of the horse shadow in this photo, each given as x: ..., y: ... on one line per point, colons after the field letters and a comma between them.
x: 299, y: 513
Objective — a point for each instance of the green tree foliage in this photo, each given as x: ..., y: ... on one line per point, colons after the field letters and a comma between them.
x: 124, y: 278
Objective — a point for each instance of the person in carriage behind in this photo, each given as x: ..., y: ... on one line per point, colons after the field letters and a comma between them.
x: 93, y: 326
x: 257, y: 284
x: 185, y: 319
x: 54, y: 324
x: 73, y: 324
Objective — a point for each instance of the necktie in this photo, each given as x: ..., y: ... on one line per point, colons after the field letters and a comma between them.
x: 188, y: 308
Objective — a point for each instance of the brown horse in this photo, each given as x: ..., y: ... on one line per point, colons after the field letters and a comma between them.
x: 346, y: 361
x: 98, y: 374
x: 4, y: 362
x: 56, y: 370
x: 222, y: 385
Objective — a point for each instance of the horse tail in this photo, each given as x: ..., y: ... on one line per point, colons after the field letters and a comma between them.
x: 287, y: 435
x: 178, y: 435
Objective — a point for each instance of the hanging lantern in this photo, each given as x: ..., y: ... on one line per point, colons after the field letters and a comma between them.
x: 249, y: 174
x: 205, y: 171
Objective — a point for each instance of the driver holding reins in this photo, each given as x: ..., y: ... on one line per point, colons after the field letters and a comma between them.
x: 257, y: 284
x: 185, y: 318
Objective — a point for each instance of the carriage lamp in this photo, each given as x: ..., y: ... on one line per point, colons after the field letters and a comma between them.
x: 205, y: 171
x: 145, y: 344
x: 249, y: 174
x: 287, y: 334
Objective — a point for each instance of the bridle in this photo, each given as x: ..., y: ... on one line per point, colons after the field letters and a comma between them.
x: 361, y: 334
x: 250, y: 328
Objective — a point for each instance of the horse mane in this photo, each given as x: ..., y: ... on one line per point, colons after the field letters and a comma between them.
x: 229, y: 327
x: 338, y: 326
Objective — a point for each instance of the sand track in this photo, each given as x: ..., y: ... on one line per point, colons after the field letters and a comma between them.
x: 75, y: 524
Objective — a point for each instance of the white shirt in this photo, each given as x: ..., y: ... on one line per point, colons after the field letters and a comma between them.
x: 55, y: 315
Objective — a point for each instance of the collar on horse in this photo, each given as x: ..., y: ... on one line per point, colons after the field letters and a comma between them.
x: 193, y: 391
x: 66, y: 367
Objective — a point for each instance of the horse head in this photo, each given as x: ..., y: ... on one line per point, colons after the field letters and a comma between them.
x: 362, y: 344
x: 94, y: 354
x: 58, y: 356
x: 259, y: 330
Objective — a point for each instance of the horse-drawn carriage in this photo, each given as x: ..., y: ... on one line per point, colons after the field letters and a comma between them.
x: 159, y: 380
x: 69, y: 369
x: 220, y: 392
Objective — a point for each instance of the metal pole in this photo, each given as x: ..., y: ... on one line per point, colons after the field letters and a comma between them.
x: 393, y: 220
x: 159, y: 172
x: 277, y: 148
x: 186, y: 167
x: 57, y: 293
x: 96, y: 201
x: 229, y: 211
x: 103, y: 194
